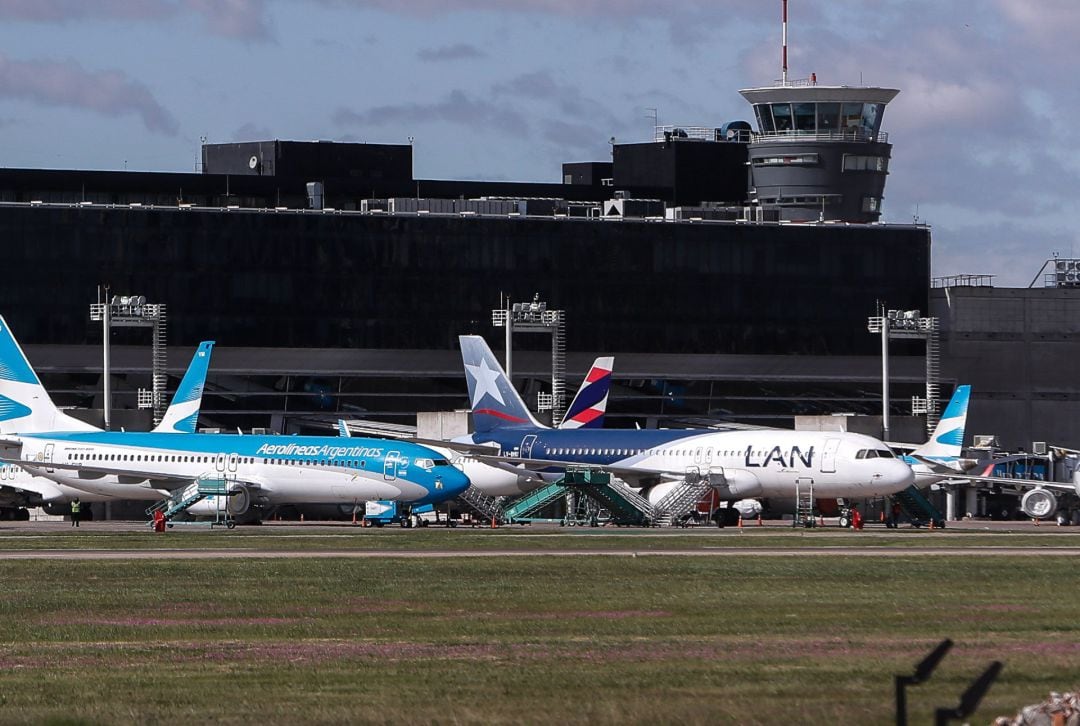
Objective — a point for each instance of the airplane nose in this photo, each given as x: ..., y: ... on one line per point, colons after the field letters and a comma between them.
x: 900, y: 475
x: 455, y: 481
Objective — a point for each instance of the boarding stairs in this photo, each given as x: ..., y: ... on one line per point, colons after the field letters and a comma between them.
x: 489, y: 508
x: 918, y: 508
x: 679, y: 501
x: 534, y: 501
x: 183, y: 500
x: 625, y: 504
x: 804, y: 503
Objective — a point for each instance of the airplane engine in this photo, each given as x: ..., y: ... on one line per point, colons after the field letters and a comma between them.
x: 736, y: 485
x: 748, y: 508
x: 241, y: 500
x: 1039, y: 504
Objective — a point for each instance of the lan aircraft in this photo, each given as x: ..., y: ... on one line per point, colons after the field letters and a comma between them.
x: 738, y: 464
x: 19, y: 488
x: 260, y: 469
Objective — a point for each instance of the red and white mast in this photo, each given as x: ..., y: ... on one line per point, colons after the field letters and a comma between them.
x: 783, y: 59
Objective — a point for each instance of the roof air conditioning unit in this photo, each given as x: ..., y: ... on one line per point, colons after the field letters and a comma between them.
x: 1039, y: 447
x: 984, y: 441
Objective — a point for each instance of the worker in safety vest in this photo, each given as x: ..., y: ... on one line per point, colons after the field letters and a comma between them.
x: 76, y: 507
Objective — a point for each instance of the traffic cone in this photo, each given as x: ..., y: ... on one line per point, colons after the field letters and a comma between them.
x: 740, y: 523
x: 1036, y: 520
x: 759, y: 520
x: 882, y: 515
x: 931, y: 523
x: 494, y: 524
x: 821, y: 520
x: 354, y: 517
x: 301, y: 517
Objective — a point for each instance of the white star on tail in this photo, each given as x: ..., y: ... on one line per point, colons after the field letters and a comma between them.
x: 487, y: 381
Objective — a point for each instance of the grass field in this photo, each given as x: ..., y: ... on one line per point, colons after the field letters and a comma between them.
x: 659, y: 639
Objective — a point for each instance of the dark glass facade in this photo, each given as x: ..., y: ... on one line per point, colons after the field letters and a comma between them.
x: 348, y: 280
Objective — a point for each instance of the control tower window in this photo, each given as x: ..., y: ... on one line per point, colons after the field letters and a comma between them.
x: 871, y: 117
x: 851, y: 115
x: 828, y: 117
x: 765, y: 120
x: 782, y: 116
x: 804, y: 118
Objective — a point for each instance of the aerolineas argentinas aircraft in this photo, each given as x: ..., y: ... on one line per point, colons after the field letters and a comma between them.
x: 738, y: 464
x: 261, y: 469
x: 19, y: 488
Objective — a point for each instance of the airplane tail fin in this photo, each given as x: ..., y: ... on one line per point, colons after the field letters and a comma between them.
x: 590, y: 404
x: 343, y: 429
x: 948, y: 438
x: 25, y: 406
x: 182, y: 416
x: 494, y: 401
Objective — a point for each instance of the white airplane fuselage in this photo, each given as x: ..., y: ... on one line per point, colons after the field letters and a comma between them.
x: 739, y: 464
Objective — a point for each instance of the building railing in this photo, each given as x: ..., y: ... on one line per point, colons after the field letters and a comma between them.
x: 853, y: 134
x: 700, y: 133
x: 963, y: 281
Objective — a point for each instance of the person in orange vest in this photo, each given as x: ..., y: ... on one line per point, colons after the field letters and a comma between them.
x: 856, y: 517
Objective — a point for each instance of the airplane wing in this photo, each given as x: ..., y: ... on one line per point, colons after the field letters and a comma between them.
x: 1067, y: 487
x: 541, y: 465
x: 458, y: 446
x: 152, y: 479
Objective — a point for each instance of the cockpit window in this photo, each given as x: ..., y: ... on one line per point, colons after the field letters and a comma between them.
x: 442, y: 462
x: 885, y: 454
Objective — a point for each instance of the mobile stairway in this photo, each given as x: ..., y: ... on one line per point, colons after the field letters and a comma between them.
x: 183, y: 499
x: 626, y: 506
x: 679, y: 501
x: 918, y: 508
x: 520, y: 509
x: 488, y: 508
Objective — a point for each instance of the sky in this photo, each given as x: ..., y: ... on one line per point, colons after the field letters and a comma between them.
x: 511, y: 89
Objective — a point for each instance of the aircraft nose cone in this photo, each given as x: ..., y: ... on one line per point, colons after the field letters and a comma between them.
x: 454, y: 482
x: 899, y: 475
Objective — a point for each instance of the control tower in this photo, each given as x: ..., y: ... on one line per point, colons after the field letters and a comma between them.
x: 819, y: 153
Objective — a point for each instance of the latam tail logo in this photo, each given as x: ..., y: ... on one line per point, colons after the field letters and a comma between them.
x: 589, y: 406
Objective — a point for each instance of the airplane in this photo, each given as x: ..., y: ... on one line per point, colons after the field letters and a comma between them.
x: 738, y: 464
x: 19, y: 489
x: 587, y: 410
x: 260, y: 470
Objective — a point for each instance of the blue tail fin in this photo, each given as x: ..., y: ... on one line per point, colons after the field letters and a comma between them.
x: 590, y: 404
x: 948, y: 438
x: 495, y: 403
x: 182, y: 415
x: 25, y: 406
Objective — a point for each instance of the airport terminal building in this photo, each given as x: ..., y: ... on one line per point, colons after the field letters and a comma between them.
x: 731, y: 272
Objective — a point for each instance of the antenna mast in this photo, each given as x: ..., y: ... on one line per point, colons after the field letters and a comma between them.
x: 784, y: 53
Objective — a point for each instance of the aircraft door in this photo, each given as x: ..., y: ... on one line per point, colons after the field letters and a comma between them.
x: 233, y: 458
x: 50, y: 450
x: 828, y: 456
x: 219, y: 463
x: 527, y: 446
x: 389, y: 471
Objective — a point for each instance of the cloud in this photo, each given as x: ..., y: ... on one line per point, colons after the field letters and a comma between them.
x: 111, y: 93
x: 247, y: 19
x: 456, y: 52
x: 252, y: 132
x: 457, y: 107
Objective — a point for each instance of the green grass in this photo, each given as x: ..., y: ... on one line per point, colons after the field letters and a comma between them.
x: 574, y: 640
x: 311, y: 537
